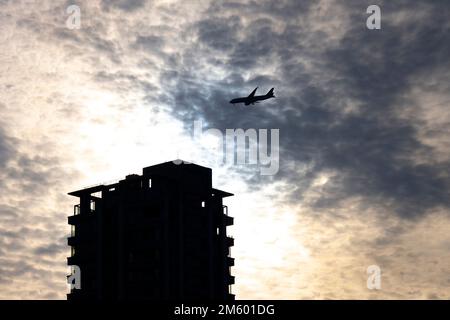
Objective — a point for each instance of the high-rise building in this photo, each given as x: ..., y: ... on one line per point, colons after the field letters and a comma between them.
x: 161, y: 235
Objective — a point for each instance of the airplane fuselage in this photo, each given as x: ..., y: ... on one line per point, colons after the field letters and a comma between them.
x: 251, y: 100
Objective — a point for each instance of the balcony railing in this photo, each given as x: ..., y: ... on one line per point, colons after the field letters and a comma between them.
x: 229, y: 241
x: 73, y: 220
x: 72, y: 241
x: 72, y: 260
x: 228, y: 220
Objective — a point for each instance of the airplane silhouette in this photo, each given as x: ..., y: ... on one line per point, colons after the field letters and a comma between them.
x: 252, y: 99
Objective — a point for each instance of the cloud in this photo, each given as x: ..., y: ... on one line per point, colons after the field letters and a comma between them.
x: 125, y: 5
x: 52, y: 249
x: 6, y: 151
x: 219, y: 33
x: 340, y: 99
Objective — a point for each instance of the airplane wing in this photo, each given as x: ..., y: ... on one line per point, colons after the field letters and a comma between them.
x: 253, y: 93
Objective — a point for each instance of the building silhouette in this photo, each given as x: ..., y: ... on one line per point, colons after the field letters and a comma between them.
x: 157, y: 236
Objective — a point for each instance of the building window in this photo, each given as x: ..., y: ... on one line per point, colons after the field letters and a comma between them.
x: 76, y: 209
x: 149, y: 183
x: 217, y: 231
x: 97, y: 194
x: 203, y: 204
x: 92, y: 205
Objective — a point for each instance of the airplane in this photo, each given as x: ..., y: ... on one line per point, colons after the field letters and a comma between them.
x: 252, y: 99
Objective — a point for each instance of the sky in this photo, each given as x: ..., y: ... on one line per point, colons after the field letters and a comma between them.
x: 363, y: 120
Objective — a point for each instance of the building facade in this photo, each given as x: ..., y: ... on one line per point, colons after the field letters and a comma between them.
x: 161, y: 235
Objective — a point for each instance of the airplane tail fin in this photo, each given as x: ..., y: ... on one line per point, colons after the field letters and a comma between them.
x: 270, y: 93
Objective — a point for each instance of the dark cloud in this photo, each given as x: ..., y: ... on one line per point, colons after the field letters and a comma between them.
x: 126, y: 5
x: 278, y: 9
x: 17, y: 269
x: 151, y: 44
x: 259, y: 43
x: 33, y: 174
x: 6, y: 149
x: 219, y: 33
x: 7, y: 212
x: 52, y: 249
x: 371, y: 149
x: 376, y: 66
